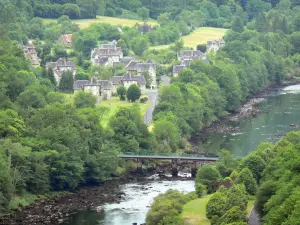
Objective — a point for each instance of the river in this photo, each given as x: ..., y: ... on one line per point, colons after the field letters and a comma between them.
x: 280, y: 109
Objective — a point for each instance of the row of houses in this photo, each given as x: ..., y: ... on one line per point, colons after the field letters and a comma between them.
x: 105, y: 89
x: 187, y: 56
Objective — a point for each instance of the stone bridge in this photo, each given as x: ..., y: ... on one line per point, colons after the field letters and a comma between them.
x: 171, y: 157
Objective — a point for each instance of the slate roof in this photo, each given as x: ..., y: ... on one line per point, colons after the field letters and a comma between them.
x: 62, y: 62
x: 79, y: 84
x: 178, y: 68
x: 137, y: 66
x: 128, y: 77
x: 107, y: 52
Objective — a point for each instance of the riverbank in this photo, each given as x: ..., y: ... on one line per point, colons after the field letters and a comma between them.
x: 248, y: 109
x: 54, y: 210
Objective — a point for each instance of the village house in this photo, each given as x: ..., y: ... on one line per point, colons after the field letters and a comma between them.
x: 102, y: 89
x: 60, y: 66
x: 66, y: 40
x: 31, y: 54
x: 138, y: 68
x: 215, y: 45
x: 190, y: 55
x: 127, y: 80
x: 177, y: 69
x: 106, y: 54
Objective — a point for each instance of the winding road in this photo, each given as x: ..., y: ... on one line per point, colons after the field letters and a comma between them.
x: 152, y: 96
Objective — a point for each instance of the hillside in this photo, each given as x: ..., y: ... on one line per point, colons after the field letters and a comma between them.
x: 84, y: 23
x: 199, y: 36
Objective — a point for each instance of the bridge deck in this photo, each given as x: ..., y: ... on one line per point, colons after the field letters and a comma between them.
x: 196, y: 158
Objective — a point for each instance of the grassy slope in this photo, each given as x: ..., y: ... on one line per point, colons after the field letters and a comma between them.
x: 199, y: 36
x: 84, y: 23
x: 194, y: 211
x: 113, y: 105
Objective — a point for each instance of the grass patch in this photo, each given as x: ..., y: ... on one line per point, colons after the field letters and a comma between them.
x: 24, y: 200
x: 194, y: 212
x: 250, y: 205
x: 200, y: 36
x: 84, y: 23
x: 114, y: 104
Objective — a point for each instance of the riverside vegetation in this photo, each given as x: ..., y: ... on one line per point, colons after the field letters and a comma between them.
x: 48, y: 144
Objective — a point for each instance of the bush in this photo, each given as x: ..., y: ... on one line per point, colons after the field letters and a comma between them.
x: 209, y: 176
x: 200, y: 189
x: 143, y: 100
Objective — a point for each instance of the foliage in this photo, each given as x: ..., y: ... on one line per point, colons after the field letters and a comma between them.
x: 122, y: 93
x: 85, y: 100
x: 209, y: 176
x: 246, y: 177
x: 133, y: 93
x: 166, y: 208
x: 66, y: 81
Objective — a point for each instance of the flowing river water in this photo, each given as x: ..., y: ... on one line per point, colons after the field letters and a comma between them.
x: 280, y: 114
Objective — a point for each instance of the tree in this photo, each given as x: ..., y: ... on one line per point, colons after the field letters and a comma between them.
x: 121, y: 93
x: 235, y: 214
x: 201, y: 47
x: 238, y: 25
x: 66, y: 81
x: 143, y: 13
x: 166, y: 131
x: 209, y: 176
x: 216, y: 205
x: 246, y: 177
x: 264, y: 193
x: 139, y: 45
x: 133, y: 93
x: 200, y: 189
x: 148, y: 79
x: 85, y: 100
x: 31, y: 98
x: 256, y: 164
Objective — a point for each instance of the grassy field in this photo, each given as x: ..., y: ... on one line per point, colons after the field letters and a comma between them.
x: 84, y: 23
x: 113, y: 105
x: 199, y: 36
x: 194, y: 212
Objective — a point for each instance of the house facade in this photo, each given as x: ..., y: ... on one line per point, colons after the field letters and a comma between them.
x: 31, y: 54
x: 102, y: 89
x: 127, y: 80
x: 60, y: 66
x: 177, y: 69
x: 137, y: 68
x: 66, y: 40
x: 215, y: 45
x: 106, y: 54
x: 189, y: 55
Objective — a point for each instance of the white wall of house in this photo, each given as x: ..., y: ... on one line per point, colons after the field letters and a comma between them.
x: 128, y: 83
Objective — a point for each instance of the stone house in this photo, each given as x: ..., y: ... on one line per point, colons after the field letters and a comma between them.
x: 60, y: 66
x: 138, y: 68
x: 110, y: 52
x: 215, y: 45
x: 102, y: 89
x: 127, y: 80
x: 31, y: 54
x: 177, y: 69
x: 66, y: 40
x: 189, y: 55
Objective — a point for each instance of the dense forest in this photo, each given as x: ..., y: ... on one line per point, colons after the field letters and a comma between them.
x: 49, y: 144
x: 269, y: 175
